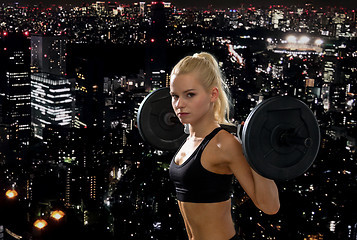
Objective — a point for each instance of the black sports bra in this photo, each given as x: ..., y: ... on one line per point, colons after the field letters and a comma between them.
x: 196, y: 184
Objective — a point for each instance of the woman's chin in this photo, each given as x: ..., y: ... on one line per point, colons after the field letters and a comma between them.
x: 184, y: 121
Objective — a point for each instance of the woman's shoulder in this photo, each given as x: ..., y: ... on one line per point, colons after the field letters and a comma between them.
x: 228, y: 145
x: 227, y: 138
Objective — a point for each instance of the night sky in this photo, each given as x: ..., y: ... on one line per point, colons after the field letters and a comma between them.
x: 205, y: 3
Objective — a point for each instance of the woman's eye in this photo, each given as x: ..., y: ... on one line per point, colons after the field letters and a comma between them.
x: 190, y: 95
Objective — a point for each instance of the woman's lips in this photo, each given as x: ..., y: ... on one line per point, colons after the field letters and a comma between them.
x: 182, y: 114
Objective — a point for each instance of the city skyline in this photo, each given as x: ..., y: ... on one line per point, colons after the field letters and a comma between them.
x: 205, y: 3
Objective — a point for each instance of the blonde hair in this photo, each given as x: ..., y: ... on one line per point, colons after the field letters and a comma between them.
x: 210, y: 76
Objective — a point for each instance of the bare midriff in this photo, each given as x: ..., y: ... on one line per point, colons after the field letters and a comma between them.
x: 208, y: 221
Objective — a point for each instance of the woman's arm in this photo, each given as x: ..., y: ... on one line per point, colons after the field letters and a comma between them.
x: 263, y: 191
x: 266, y: 194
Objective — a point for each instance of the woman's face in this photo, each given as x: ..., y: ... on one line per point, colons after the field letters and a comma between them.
x: 190, y: 101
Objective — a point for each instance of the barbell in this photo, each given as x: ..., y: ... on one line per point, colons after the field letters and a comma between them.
x: 280, y: 137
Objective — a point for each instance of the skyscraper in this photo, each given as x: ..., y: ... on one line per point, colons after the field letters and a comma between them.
x: 156, y: 47
x: 52, y: 102
x: 89, y: 81
x: 15, y: 86
x: 142, y: 8
x: 48, y: 54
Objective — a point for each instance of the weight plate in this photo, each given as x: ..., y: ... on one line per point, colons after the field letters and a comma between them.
x: 157, y: 121
x: 264, y: 132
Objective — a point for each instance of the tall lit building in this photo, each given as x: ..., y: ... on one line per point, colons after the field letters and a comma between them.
x: 93, y: 187
x: 156, y: 48
x: 277, y: 15
x: 100, y: 7
x: 48, y: 54
x: 52, y: 102
x: 142, y: 8
x: 15, y: 86
x: 68, y: 187
x: 88, y: 73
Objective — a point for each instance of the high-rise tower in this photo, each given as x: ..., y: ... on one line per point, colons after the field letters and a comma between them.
x: 156, y: 48
x: 15, y: 86
x: 48, y: 54
x: 52, y: 101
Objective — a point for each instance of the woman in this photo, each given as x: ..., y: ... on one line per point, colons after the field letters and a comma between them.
x: 203, y: 167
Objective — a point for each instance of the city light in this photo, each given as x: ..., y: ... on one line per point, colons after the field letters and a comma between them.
x: 11, y: 194
x: 291, y: 39
x: 319, y: 42
x: 304, y: 40
x: 301, y: 40
x: 58, y: 214
x: 40, y: 223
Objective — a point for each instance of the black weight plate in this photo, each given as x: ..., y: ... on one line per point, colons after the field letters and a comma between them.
x: 154, y: 123
x: 261, y: 138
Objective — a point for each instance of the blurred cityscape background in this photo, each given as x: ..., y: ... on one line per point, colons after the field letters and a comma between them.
x: 72, y: 162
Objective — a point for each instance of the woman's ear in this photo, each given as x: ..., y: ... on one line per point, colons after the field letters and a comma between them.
x: 214, y: 94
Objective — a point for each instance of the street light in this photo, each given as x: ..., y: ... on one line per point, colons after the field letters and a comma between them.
x: 40, y: 223
x: 11, y: 194
x: 58, y: 214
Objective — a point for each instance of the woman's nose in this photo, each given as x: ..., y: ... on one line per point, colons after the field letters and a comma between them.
x: 179, y: 103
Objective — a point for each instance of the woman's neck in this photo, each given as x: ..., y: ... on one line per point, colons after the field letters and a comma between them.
x: 201, y: 130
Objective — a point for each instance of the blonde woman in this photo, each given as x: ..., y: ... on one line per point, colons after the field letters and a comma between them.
x: 203, y: 167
